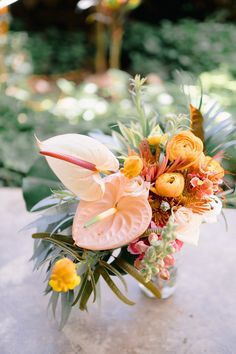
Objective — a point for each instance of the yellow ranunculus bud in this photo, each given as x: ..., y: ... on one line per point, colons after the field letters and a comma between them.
x: 64, y: 276
x: 133, y: 165
x: 170, y: 185
x: 157, y: 139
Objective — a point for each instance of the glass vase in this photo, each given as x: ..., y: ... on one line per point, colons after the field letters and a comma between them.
x: 166, y: 287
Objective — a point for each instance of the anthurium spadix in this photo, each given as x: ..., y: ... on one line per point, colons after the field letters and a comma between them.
x: 122, y: 215
x: 78, y: 161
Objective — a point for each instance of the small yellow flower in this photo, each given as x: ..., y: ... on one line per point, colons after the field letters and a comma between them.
x: 133, y: 165
x: 157, y: 139
x: 64, y: 276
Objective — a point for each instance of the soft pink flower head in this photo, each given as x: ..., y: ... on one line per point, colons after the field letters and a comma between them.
x: 115, y: 220
x: 137, y: 247
x: 203, y: 187
x: 169, y: 260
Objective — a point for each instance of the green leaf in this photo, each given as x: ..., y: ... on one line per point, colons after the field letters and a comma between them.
x: 53, y: 302
x: 135, y: 274
x: 115, y: 271
x: 113, y: 287
x: 62, y: 238
x: 81, y: 289
x: 38, y: 183
x: 66, y: 306
x: 88, y: 290
x: 53, y: 239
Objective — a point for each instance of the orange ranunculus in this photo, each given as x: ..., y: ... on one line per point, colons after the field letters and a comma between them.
x: 213, y: 168
x: 186, y: 147
x: 170, y: 185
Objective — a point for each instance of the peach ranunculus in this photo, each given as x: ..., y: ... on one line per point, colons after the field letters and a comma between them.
x: 77, y: 160
x: 115, y: 220
x: 187, y: 225
x: 170, y: 185
x: 202, y: 187
x: 213, y: 168
x: 186, y: 148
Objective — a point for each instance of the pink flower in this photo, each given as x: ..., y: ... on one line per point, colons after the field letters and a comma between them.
x: 115, y: 220
x: 164, y: 274
x: 137, y: 247
x: 153, y: 237
x: 203, y: 187
x: 169, y: 260
x: 187, y: 225
x: 137, y: 262
x: 177, y: 244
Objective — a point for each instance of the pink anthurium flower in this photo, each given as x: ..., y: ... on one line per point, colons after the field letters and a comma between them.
x: 77, y: 160
x: 115, y: 220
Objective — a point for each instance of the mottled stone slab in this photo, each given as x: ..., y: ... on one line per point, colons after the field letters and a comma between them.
x: 199, y: 318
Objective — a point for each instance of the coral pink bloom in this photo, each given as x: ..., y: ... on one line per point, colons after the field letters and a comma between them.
x: 137, y: 247
x: 204, y: 187
x: 113, y: 221
x: 77, y: 160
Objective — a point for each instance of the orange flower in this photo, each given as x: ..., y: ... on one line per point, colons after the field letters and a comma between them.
x: 185, y: 147
x: 212, y: 168
x: 64, y: 276
x: 170, y: 185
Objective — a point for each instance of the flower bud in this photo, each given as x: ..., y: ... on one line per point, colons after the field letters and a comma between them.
x: 133, y: 165
x: 153, y: 239
x: 165, y: 206
x: 169, y: 260
x: 164, y: 274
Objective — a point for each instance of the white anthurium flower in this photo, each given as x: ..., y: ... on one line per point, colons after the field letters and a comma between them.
x: 211, y: 215
x: 187, y: 225
x: 77, y: 161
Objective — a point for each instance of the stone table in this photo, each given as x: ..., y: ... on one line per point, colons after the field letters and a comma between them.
x: 199, y: 318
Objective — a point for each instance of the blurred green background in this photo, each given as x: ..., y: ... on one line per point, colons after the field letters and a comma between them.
x: 50, y: 84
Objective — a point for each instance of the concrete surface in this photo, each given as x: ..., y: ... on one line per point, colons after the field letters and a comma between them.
x: 199, y: 319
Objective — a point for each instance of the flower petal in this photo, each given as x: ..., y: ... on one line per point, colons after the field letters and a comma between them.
x: 87, y: 184
x: 131, y: 219
x: 187, y: 225
x: 211, y: 215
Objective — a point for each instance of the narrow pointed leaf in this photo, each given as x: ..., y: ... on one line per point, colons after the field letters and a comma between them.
x: 135, y: 274
x: 81, y: 289
x: 88, y: 291
x: 115, y: 272
x: 114, y: 288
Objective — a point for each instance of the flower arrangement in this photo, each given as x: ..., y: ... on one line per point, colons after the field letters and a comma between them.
x: 124, y: 214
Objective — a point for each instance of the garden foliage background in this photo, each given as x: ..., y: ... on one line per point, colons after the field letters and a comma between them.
x: 47, y: 80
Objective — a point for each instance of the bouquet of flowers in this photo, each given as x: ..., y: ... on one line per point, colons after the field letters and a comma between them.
x: 125, y: 214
